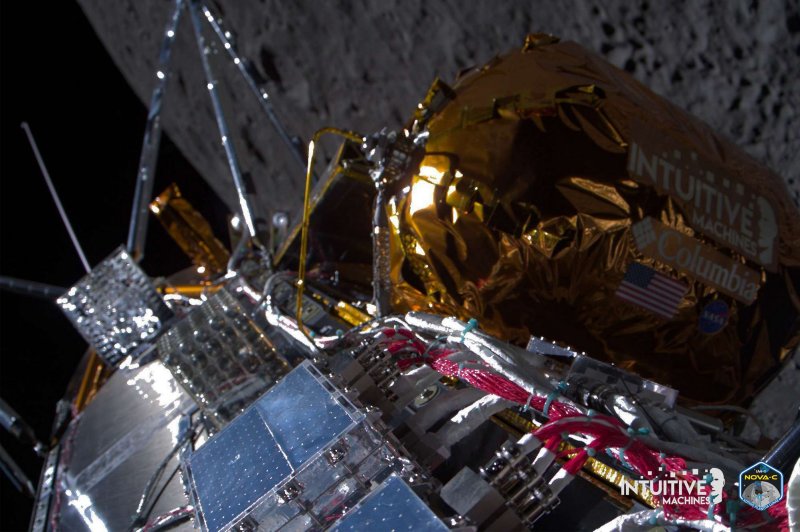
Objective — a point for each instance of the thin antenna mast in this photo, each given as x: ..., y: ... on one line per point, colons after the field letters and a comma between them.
x: 54, y: 194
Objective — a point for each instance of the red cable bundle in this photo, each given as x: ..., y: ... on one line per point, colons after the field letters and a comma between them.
x: 400, y: 340
x: 648, y: 464
x: 607, y: 432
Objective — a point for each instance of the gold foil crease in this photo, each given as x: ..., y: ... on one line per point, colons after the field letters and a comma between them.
x: 190, y: 231
x: 190, y: 290
x: 520, y: 216
x: 350, y: 314
x: 94, y: 376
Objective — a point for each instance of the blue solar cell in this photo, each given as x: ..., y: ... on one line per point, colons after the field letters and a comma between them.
x: 302, y: 415
x: 283, y: 430
x: 393, y: 506
x: 235, y: 468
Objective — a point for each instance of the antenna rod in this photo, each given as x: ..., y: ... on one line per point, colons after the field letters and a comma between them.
x: 54, y: 194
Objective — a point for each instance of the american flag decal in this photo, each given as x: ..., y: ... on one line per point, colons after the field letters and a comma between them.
x: 646, y: 288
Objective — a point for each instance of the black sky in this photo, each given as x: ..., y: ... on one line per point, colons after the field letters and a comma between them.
x: 56, y: 75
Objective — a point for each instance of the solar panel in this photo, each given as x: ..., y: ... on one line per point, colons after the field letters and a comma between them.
x: 283, y: 434
x: 392, y: 506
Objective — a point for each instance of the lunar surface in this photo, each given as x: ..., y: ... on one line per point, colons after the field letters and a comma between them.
x: 363, y: 65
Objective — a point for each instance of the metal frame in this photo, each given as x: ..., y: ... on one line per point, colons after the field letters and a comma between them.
x: 137, y: 232
x: 222, y: 125
x: 245, y: 69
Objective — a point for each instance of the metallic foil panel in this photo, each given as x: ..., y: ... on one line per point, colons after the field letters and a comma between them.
x: 191, y: 231
x: 115, y: 308
x: 220, y: 357
x: 392, y: 506
x: 520, y: 214
x: 592, y: 374
x: 111, y: 450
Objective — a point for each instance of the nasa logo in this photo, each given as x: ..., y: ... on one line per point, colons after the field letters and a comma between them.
x: 714, y: 317
x: 760, y: 486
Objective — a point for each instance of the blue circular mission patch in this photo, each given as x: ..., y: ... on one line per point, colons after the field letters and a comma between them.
x: 714, y: 317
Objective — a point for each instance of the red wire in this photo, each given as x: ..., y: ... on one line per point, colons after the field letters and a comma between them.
x: 607, y: 432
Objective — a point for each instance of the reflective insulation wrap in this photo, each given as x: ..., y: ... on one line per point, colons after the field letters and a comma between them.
x: 115, y: 308
x: 299, y: 457
x: 110, y: 452
x: 220, y: 357
x: 190, y: 231
x: 559, y: 197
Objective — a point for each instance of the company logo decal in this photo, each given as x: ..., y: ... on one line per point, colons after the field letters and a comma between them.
x: 761, y: 486
x: 732, y: 214
x: 680, y: 490
x: 714, y: 317
x: 699, y: 261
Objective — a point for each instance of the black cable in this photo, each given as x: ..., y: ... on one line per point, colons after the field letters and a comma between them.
x: 140, y: 518
x: 737, y: 409
x: 155, y: 496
